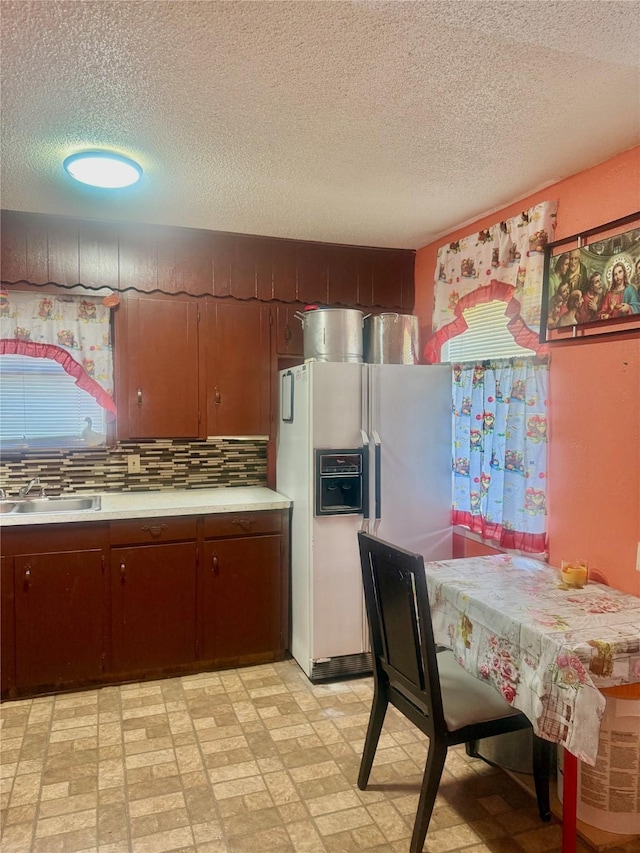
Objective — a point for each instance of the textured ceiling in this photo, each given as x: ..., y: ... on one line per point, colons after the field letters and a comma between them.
x: 369, y: 123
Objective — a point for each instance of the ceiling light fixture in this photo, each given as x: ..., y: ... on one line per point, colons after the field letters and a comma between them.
x: 102, y: 169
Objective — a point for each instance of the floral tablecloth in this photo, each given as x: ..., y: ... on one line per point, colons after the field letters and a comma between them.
x: 546, y: 648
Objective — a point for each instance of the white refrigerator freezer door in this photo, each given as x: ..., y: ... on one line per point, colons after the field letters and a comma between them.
x: 337, y: 605
x: 294, y: 478
x: 327, y: 615
x: 410, y: 409
x: 336, y: 412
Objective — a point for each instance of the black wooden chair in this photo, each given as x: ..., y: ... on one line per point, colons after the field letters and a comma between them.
x: 429, y: 687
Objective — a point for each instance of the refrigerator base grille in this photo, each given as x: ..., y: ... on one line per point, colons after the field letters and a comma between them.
x: 341, y: 667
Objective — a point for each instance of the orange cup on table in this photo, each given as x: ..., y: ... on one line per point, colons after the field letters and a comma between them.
x: 575, y: 573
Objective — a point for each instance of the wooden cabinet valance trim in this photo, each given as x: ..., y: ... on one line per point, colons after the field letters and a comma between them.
x: 47, y: 249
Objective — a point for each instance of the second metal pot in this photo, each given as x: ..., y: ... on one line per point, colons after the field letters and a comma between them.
x: 391, y: 339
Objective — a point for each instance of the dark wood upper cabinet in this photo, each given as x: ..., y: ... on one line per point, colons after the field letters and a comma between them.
x: 392, y: 284
x: 37, y: 250
x: 14, y: 247
x: 222, y: 248
x: 166, y: 248
x: 387, y: 281
x: 157, y: 389
x: 64, y: 251
x: 250, y: 268
x: 40, y: 249
x: 185, y: 263
x: 98, y: 254
x: 285, y: 271
x: 24, y: 248
x: 194, y: 262
x: 243, y: 268
x: 138, y: 246
x: 365, y: 277
x: 343, y: 275
x: 313, y: 263
x: 289, y: 336
x: 264, y: 267
x: 408, y: 265
x: 235, y: 348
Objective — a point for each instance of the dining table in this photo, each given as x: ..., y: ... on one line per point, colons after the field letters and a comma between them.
x: 547, y: 648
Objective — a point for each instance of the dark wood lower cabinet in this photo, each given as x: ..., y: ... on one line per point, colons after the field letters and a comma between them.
x: 58, y: 618
x: 241, y: 598
x: 7, y: 627
x: 90, y: 604
x: 153, y: 607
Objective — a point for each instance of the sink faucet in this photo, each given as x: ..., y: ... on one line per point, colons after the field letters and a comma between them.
x: 24, y: 490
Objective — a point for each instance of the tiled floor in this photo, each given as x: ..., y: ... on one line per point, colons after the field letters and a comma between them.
x: 243, y: 761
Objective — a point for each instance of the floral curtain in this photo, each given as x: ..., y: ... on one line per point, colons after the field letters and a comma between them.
x: 503, y: 262
x: 500, y: 450
x: 70, y: 329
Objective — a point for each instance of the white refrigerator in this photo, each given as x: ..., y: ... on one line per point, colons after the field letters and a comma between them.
x: 359, y: 446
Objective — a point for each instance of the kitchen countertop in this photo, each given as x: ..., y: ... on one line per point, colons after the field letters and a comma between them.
x: 122, y: 505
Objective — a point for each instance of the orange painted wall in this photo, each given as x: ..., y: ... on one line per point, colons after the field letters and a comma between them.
x: 594, y: 406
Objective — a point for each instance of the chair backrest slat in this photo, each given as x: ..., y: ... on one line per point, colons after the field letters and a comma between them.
x: 399, y: 616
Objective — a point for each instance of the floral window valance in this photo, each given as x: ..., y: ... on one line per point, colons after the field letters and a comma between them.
x: 70, y: 329
x: 503, y: 262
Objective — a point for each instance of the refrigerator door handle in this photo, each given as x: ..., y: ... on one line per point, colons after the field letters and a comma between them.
x: 365, y: 483
x: 378, y: 481
x: 286, y: 397
x: 366, y: 452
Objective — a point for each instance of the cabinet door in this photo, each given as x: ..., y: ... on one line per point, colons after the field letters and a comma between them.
x: 158, y: 366
x: 343, y: 275
x: 237, y: 359
x: 313, y: 263
x: 58, y: 618
x: 241, y: 592
x: 23, y: 246
x: 7, y: 630
x: 98, y: 254
x: 153, y: 594
x: 289, y: 337
x: 284, y: 266
x: 387, y: 278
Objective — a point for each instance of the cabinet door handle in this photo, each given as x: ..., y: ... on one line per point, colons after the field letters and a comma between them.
x: 139, y: 396
x: 244, y: 523
x: 27, y: 576
x: 214, y: 565
x: 287, y: 334
x: 217, y: 399
x: 154, y: 529
x: 123, y: 572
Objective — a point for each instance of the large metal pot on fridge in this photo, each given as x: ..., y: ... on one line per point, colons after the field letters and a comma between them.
x: 332, y: 334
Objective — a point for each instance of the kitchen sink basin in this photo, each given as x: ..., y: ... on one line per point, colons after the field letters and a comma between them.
x: 7, y: 506
x: 51, y: 505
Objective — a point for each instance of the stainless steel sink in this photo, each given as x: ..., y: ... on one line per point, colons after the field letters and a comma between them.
x: 7, y: 506
x: 51, y: 505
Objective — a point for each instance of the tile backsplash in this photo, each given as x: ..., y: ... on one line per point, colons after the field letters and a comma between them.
x: 164, y: 464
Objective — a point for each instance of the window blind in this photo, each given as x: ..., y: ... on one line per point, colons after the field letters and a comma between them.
x: 486, y: 337
x: 41, y: 406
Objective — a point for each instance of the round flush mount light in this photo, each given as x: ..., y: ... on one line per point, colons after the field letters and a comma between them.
x: 102, y: 169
